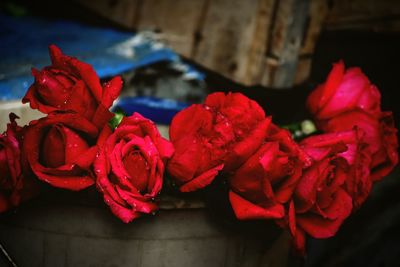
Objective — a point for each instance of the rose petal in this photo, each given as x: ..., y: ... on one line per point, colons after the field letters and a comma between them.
x: 137, y: 205
x: 319, y: 227
x: 243, y: 149
x: 112, y: 90
x: 245, y: 210
x: 78, y: 68
x: 202, y: 180
x: 126, y: 215
x: 323, y: 94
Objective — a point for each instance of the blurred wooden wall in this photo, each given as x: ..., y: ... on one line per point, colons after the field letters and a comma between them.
x: 267, y: 42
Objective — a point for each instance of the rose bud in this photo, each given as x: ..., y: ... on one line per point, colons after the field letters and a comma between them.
x: 218, y: 135
x: 266, y: 181
x: 71, y: 85
x: 380, y: 135
x: 60, y: 149
x: 16, y: 181
x: 343, y: 91
x: 320, y: 202
x: 130, y: 166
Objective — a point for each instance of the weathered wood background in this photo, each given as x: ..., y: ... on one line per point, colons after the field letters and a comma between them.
x: 265, y: 42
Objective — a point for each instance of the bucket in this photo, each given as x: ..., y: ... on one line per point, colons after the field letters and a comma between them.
x: 74, y: 229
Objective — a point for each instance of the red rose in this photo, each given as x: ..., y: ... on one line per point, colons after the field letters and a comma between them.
x: 358, y: 182
x: 322, y: 199
x: 218, y: 135
x: 130, y: 166
x: 16, y: 183
x: 380, y: 135
x: 71, y: 85
x: 348, y: 99
x: 266, y: 181
x: 60, y: 149
x: 344, y: 91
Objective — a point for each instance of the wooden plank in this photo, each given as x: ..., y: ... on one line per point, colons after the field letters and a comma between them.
x: 226, y: 36
x: 284, y: 48
x: 251, y: 42
x: 252, y: 70
x: 176, y: 20
x: 318, y: 11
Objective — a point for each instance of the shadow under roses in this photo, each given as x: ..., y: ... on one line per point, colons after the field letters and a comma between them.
x: 220, y: 212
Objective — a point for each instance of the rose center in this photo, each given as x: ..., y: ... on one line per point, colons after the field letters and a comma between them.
x: 53, y: 151
x: 62, y: 146
x: 138, y: 169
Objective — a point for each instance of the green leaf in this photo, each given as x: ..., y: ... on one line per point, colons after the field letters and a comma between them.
x: 116, y: 120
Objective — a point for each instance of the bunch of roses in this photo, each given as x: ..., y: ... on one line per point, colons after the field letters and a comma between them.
x: 309, y: 187
x: 73, y: 147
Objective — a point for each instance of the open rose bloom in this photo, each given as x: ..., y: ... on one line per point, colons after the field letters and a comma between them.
x: 216, y: 136
x: 266, y: 181
x: 61, y: 148
x: 349, y: 99
x: 338, y: 177
x: 130, y: 166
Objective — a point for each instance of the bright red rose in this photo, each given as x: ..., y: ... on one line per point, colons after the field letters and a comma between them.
x: 71, y: 85
x: 344, y: 90
x: 130, y: 166
x: 322, y: 199
x: 380, y: 135
x: 16, y: 181
x: 61, y: 148
x: 218, y: 135
x: 266, y: 181
x: 348, y: 99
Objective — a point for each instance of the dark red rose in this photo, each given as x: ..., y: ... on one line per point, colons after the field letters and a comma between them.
x: 217, y: 135
x: 61, y: 148
x: 323, y: 199
x: 71, y: 85
x: 16, y: 181
x: 380, y: 135
x: 343, y: 91
x: 130, y: 166
x: 266, y: 181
